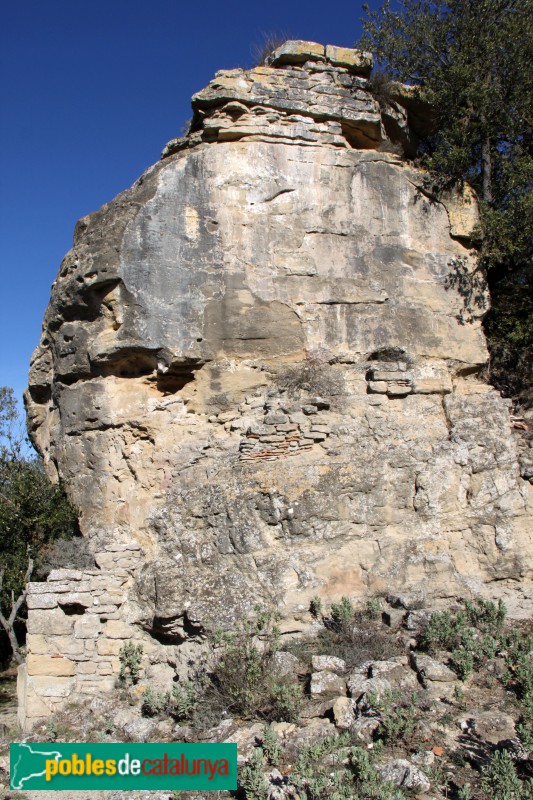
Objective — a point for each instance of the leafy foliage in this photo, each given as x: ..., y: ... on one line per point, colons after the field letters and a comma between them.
x: 500, y: 780
x: 33, y: 512
x: 397, y: 715
x: 242, y: 679
x: 353, y: 775
x: 130, y: 657
x: 471, y: 61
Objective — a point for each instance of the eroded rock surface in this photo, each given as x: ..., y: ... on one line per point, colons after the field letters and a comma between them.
x: 254, y: 381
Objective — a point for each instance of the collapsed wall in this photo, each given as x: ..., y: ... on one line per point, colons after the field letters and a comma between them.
x: 257, y: 386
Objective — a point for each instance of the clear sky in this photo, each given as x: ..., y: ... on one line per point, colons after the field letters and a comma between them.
x: 90, y: 94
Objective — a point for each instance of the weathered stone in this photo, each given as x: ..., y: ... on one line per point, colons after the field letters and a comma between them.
x: 405, y: 775
x: 116, y: 629
x: 331, y: 663
x: 358, y: 686
x: 109, y: 647
x: 296, y: 52
x: 284, y: 664
x: 52, y: 622
x: 34, y: 601
x: 380, y: 387
x: 247, y: 738
x: 431, y: 669
x: 494, y: 727
x: 393, y: 617
x: 140, y: 730
x: 87, y: 627
x: 51, y: 685
x: 343, y: 712
x: 313, y: 733
x: 357, y: 60
x: 326, y: 683
x: 65, y: 575
x: 49, y: 665
x: 270, y: 270
x: 364, y: 728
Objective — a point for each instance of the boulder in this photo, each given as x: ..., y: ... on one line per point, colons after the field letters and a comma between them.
x: 404, y: 775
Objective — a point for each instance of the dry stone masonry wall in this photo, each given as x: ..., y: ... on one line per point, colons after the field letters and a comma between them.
x: 256, y: 386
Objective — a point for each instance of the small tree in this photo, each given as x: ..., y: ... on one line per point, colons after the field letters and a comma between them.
x: 33, y: 514
x: 472, y: 61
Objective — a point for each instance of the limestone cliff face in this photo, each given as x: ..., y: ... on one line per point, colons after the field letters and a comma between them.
x: 252, y: 377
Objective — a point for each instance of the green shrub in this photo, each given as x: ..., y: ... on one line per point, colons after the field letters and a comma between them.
x: 484, y: 614
x: 272, y: 747
x: 397, y: 715
x: 373, y: 608
x: 462, y: 662
x: 240, y: 679
x: 333, y: 770
x: 519, y: 676
x: 342, y: 615
x: 315, y: 606
x: 524, y: 726
x: 251, y: 779
x: 368, y: 783
x: 154, y: 702
x: 444, y: 630
x: 353, y: 636
x: 285, y: 701
x: 130, y: 657
x: 183, y: 700
x: 500, y: 780
x: 472, y: 634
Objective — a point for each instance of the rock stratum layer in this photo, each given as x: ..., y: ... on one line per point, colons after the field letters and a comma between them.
x: 256, y: 386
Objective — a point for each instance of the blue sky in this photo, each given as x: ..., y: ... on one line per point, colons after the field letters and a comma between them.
x: 89, y: 95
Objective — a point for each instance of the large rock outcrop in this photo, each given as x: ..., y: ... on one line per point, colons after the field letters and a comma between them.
x: 256, y: 386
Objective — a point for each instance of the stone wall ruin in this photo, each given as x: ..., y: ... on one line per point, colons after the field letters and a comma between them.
x: 255, y: 384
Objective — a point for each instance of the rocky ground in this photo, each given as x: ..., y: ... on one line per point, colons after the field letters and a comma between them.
x: 388, y: 703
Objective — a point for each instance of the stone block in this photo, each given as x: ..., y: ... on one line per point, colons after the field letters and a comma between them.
x: 396, y: 388
x: 76, y: 599
x: 393, y: 617
x: 441, y: 385
x: 358, y: 685
x: 105, y: 668
x: 431, y: 669
x: 41, y: 601
x: 47, y: 588
x: 49, y: 665
x: 50, y: 686
x: 86, y: 668
x: 50, y: 622
x: 108, y: 647
x: 116, y: 629
x: 287, y: 664
x: 87, y: 627
x: 97, y: 684
x: 379, y: 387
x: 330, y: 663
x: 110, y: 598
x: 296, y: 52
x: 327, y: 683
x: 385, y: 375
x: 66, y: 645
x: 358, y: 61
x: 37, y: 643
x: 343, y: 712
x: 402, y: 773
x: 66, y: 575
